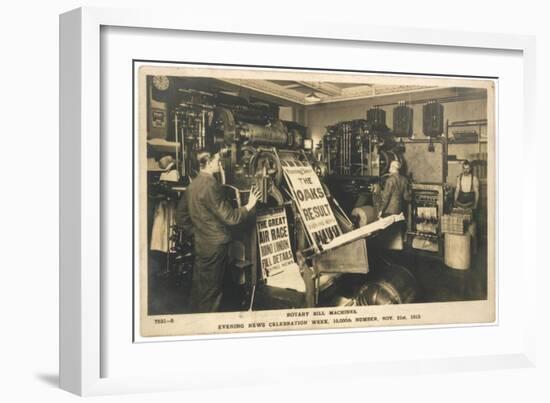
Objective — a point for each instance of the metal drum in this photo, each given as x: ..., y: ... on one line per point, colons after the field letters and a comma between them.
x: 457, y: 251
x: 274, y: 135
x: 394, y: 285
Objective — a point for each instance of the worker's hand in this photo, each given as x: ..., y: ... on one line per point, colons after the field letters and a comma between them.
x: 255, y: 194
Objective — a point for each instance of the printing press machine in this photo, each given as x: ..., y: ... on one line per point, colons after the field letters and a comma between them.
x: 257, y: 148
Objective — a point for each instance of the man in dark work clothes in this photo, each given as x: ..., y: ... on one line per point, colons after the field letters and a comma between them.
x: 395, y: 193
x: 204, y: 213
x: 393, y: 198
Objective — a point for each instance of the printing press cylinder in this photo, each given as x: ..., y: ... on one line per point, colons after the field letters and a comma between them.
x: 225, y: 128
x: 274, y: 135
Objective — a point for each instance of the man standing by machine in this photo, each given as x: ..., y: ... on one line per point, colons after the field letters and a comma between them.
x: 467, y: 198
x: 204, y: 213
x: 467, y: 188
x: 395, y: 193
x: 393, y: 198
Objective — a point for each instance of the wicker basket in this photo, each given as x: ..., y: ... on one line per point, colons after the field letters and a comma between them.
x: 453, y: 224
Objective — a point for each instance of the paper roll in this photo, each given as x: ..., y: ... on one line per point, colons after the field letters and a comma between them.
x: 364, y: 215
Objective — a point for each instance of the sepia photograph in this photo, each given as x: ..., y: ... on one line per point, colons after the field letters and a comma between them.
x: 269, y: 199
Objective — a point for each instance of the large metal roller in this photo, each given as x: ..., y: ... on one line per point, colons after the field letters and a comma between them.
x: 223, y: 127
x: 274, y: 134
x: 394, y: 285
x: 226, y: 128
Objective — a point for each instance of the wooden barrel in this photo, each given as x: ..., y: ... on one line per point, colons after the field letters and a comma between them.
x: 457, y: 251
x: 394, y: 285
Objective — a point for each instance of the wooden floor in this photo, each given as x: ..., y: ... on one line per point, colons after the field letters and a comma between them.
x: 169, y: 292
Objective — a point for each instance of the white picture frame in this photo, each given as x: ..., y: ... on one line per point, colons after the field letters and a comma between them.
x: 85, y: 349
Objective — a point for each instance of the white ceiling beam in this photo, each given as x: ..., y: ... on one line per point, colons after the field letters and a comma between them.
x: 348, y: 94
x: 290, y: 86
x: 269, y: 88
x: 325, y: 88
x: 358, y: 90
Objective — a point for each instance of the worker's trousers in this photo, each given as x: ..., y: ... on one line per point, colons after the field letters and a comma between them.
x: 208, y: 271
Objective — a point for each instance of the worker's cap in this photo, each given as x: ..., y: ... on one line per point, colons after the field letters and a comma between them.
x: 395, y: 165
x: 203, y: 156
x: 166, y: 162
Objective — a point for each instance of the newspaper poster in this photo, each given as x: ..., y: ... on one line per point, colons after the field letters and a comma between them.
x: 240, y: 197
x: 312, y: 202
x: 274, y: 241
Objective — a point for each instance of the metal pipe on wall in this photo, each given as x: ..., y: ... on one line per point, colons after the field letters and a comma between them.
x: 177, y: 146
x: 458, y: 98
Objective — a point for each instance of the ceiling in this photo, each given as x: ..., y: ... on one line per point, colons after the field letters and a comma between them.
x: 299, y: 92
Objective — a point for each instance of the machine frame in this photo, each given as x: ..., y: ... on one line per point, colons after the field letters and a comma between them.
x: 84, y: 354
